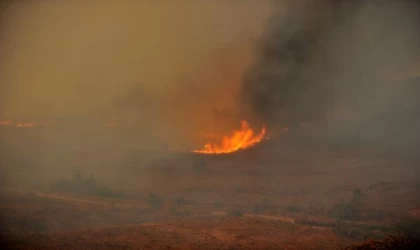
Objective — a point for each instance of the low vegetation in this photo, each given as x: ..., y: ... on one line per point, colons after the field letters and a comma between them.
x: 15, y: 224
x: 358, y: 232
x: 389, y: 243
x: 349, y: 211
x: 155, y: 201
x: 235, y: 212
x: 409, y: 227
x: 182, y: 201
x: 175, y: 211
x: 85, y: 186
x: 199, y: 164
x: 264, y: 206
x: 293, y: 209
x: 219, y: 204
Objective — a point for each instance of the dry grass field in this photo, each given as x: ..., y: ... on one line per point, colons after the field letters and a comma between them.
x: 316, y: 200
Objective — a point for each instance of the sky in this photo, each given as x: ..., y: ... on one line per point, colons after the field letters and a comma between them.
x: 175, y: 65
x: 62, y: 58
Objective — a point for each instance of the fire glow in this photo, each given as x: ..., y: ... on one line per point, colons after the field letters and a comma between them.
x: 22, y: 124
x: 7, y: 123
x: 240, y: 139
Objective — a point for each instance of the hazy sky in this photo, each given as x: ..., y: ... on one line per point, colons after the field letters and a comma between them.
x: 71, y: 57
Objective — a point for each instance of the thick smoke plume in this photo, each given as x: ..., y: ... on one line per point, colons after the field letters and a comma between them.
x: 340, y: 63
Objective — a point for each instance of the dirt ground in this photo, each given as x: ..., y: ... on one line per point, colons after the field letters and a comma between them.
x: 233, y: 202
x: 225, y: 233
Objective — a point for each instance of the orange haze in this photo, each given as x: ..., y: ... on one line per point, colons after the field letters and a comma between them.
x: 22, y: 124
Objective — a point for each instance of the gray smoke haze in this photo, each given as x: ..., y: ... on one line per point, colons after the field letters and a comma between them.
x: 163, y: 83
x: 338, y: 63
x: 161, y: 72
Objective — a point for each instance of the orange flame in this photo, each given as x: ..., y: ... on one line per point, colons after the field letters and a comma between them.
x: 241, y: 139
x: 22, y: 124
x: 5, y: 123
x: 25, y: 125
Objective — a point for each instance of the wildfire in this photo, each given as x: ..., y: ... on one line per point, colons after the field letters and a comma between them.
x: 5, y: 123
x: 22, y: 124
x: 25, y: 125
x: 240, y: 139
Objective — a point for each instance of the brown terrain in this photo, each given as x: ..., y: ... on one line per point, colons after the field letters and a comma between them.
x: 316, y: 200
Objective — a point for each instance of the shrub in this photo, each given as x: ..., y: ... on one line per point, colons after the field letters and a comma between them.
x: 258, y: 209
x: 155, y: 201
x: 390, y: 243
x: 263, y: 207
x: 347, y: 230
x: 235, y: 212
x: 182, y: 201
x: 115, y: 207
x: 199, y: 164
x: 218, y: 204
x: 350, y: 210
x: 409, y: 227
x: 345, y: 212
x: 86, y: 186
x: 356, y: 200
x: 293, y: 209
x: 179, y: 213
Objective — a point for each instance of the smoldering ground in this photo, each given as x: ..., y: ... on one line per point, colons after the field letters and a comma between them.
x: 342, y: 64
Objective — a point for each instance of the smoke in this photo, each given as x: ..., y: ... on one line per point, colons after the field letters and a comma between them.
x: 60, y: 55
x: 335, y: 62
x: 160, y: 73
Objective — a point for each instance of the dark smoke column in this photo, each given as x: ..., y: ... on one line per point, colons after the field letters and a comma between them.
x: 328, y: 61
x: 281, y: 86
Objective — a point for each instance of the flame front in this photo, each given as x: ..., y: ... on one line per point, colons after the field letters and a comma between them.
x: 7, y: 123
x: 241, y: 139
